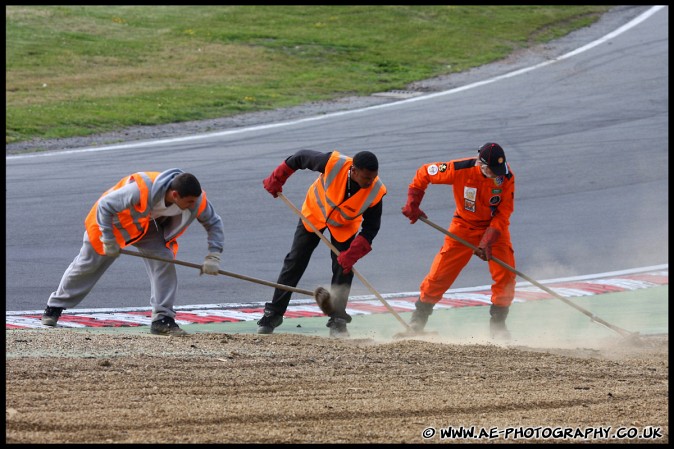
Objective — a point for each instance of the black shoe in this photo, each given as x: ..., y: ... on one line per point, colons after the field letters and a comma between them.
x: 268, y: 322
x: 166, y: 326
x: 51, y: 315
x: 498, y: 330
x: 497, y: 326
x: 338, y: 328
x: 420, y: 315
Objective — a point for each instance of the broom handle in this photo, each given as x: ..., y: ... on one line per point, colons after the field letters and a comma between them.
x: 226, y: 273
x: 336, y: 251
x: 622, y: 332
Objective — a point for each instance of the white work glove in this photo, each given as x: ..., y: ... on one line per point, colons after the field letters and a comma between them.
x: 111, y: 248
x: 211, y: 264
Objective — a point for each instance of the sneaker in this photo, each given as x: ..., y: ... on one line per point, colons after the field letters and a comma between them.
x: 51, y: 315
x: 166, y: 326
x: 268, y: 322
x: 420, y: 315
x: 338, y: 328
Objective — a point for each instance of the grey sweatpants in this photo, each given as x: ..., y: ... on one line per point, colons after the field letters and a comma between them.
x: 88, y: 267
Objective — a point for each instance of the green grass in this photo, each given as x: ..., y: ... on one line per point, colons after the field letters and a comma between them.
x: 80, y: 70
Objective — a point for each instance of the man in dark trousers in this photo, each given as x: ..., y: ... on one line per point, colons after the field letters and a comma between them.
x: 346, y: 195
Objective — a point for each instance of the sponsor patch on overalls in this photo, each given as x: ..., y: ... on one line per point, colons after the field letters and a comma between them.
x: 470, y: 193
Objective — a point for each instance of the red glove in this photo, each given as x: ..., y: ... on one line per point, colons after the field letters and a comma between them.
x: 483, y: 250
x: 359, y: 247
x: 411, y: 209
x: 274, y: 183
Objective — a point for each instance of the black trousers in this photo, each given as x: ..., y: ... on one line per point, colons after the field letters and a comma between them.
x: 296, y: 262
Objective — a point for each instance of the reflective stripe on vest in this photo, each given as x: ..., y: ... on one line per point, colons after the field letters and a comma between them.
x: 132, y: 222
x: 326, y: 180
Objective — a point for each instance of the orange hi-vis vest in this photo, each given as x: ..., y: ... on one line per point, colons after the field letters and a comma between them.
x: 131, y: 224
x: 326, y: 203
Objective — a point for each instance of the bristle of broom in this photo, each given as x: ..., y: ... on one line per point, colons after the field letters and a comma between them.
x: 322, y: 294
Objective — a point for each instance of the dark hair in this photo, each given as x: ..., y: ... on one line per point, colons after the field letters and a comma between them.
x: 186, y: 184
x: 366, y: 160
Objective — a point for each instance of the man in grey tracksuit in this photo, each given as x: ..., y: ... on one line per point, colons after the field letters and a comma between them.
x: 148, y: 210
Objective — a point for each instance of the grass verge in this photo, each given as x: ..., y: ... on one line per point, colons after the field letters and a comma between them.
x: 82, y: 70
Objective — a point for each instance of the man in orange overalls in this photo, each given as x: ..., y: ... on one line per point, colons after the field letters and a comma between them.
x: 484, y: 193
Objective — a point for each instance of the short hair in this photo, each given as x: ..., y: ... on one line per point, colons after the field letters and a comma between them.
x: 186, y: 184
x: 366, y: 160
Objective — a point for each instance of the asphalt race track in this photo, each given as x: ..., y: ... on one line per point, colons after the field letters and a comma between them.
x: 586, y: 135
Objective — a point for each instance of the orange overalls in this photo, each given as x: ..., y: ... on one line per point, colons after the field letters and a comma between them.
x: 481, y: 202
